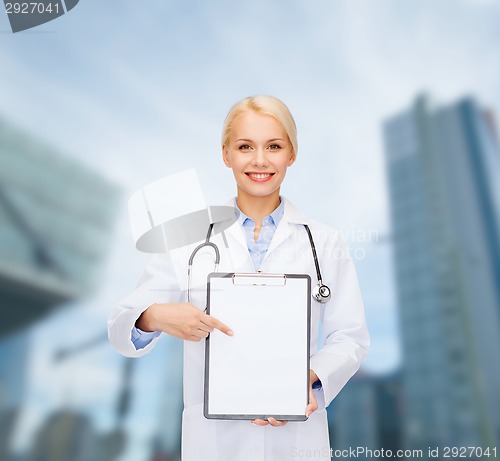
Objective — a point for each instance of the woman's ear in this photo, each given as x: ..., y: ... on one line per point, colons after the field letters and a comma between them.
x: 292, y: 158
x: 225, y: 156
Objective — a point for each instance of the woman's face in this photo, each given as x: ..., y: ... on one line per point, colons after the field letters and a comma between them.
x: 259, y: 153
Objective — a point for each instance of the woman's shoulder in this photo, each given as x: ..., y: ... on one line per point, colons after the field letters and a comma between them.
x: 323, y: 231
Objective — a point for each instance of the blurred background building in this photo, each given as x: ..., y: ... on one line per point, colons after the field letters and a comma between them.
x: 367, y: 413
x: 56, y: 218
x: 56, y: 221
x: 167, y: 437
x: 14, y: 352
x: 443, y: 169
x: 443, y: 166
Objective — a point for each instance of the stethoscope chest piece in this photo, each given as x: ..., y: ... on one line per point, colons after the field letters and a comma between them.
x: 321, y: 293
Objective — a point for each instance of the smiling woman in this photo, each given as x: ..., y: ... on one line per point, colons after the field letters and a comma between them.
x: 259, y: 143
x: 259, y: 152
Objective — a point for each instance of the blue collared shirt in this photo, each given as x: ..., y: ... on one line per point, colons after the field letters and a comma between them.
x: 257, y: 249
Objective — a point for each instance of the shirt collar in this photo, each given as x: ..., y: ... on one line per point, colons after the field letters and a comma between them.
x: 274, y: 217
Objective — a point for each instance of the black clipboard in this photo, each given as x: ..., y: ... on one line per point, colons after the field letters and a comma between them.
x: 263, y: 370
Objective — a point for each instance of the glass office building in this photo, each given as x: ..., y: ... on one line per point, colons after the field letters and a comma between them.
x: 353, y: 415
x: 443, y: 168
x: 367, y: 415
x: 56, y: 217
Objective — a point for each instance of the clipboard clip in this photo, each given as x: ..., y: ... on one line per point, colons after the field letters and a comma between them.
x: 259, y: 279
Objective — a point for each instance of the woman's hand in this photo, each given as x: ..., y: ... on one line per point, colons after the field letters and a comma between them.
x: 310, y: 409
x: 182, y: 320
x: 271, y: 421
x: 313, y: 405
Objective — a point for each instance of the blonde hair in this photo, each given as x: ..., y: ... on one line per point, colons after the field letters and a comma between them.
x: 267, y: 105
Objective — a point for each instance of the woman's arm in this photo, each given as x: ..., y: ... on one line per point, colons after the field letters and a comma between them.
x: 182, y: 320
x: 346, y: 338
x: 158, y: 285
x: 155, y: 306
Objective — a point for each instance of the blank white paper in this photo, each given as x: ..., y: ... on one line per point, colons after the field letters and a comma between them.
x: 263, y: 368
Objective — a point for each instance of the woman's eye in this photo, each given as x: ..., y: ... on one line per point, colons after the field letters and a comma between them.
x: 274, y: 146
x: 244, y: 147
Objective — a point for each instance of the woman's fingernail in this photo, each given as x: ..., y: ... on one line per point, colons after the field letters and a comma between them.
x: 308, y: 414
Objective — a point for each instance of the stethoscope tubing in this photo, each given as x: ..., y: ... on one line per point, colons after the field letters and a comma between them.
x: 206, y: 243
x: 321, y: 293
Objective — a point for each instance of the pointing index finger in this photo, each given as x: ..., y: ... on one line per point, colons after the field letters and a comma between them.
x: 213, y: 322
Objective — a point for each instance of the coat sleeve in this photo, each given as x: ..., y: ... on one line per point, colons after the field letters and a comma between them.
x: 159, y: 284
x: 346, y: 338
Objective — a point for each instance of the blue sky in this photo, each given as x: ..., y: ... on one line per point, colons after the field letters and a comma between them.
x: 138, y: 90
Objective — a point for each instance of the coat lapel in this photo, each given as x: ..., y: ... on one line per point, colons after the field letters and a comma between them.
x: 237, y: 240
x: 235, y: 232
x: 281, y: 233
x: 238, y: 249
x: 291, y: 215
x: 236, y: 235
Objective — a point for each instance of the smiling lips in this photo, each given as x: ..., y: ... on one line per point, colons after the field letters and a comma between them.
x: 259, y: 177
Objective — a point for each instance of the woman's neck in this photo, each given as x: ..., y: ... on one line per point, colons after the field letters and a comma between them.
x: 258, y: 208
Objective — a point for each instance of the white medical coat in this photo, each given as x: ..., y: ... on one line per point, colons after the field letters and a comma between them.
x: 343, y: 345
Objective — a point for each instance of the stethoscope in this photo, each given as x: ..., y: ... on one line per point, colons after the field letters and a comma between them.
x: 320, y: 292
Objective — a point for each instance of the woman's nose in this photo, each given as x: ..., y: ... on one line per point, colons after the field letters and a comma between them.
x: 260, y: 158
